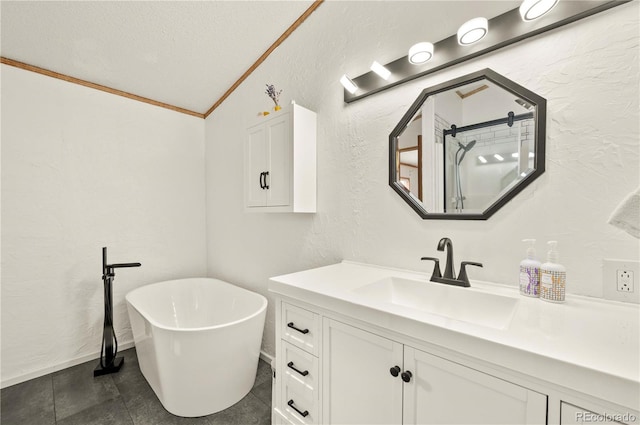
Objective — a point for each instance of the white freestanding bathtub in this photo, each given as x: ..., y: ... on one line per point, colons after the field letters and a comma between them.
x: 198, y: 342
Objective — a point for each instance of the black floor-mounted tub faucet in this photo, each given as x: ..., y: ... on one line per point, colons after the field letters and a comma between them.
x: 109, y: 363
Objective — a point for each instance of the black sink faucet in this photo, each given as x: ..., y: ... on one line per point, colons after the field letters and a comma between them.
x: 449, y: 276
x: 449, y: 273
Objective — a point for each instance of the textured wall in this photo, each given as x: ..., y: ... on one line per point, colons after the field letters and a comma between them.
x: 82, y: 169
x: 587, y: 71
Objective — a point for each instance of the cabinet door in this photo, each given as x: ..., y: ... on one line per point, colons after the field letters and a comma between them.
x: 280, y: 155
x: 357, y: 385
x: 443, y: 392
x: 256, y: 164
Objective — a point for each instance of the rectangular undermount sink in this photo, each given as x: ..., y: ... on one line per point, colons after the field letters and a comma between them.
x: 464, y: 304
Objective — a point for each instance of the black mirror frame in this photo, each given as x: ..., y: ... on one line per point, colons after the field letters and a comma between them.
x: 540, y: 105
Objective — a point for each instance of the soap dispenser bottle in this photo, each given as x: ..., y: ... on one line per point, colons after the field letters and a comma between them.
x: 530, y: 272
x: 553, y: 277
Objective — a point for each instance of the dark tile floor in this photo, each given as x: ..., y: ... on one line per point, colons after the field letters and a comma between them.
x: 74, y: 397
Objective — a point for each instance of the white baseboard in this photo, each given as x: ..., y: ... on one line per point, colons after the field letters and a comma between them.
x: 267, y: 358
x: 60, y: 366
x: 78, y: 360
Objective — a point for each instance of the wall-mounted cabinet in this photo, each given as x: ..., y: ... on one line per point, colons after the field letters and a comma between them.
x: 280, y: 162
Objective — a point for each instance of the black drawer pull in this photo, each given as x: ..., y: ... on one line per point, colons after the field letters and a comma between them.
x: 406, y: 376
x: 302, y: 331
x: 305, y: 373
x: 303, y: 414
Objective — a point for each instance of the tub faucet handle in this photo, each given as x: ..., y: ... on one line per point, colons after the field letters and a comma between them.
x: 120, y: 265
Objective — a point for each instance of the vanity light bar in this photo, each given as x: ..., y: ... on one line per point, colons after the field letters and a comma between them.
x: 506, y: 29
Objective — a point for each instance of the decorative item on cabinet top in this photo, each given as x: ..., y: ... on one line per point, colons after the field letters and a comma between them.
x: 280, y: 162
x: 274, y: 95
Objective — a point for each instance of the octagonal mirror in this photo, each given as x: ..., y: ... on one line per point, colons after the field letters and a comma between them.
x: 468, y: 146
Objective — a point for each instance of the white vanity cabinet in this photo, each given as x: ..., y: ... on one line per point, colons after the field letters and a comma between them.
x: 367, y: 378
x: 345, y: 355
x: 374, y: 380
x: 280, y: 162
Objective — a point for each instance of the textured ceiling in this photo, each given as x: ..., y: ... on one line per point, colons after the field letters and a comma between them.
x: 183, y: 53
x: 188, y: 53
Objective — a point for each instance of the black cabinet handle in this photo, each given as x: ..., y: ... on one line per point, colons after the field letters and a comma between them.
x: 266, y: 185
x: 290, y: 365
x: 261, y: 183
x: 303, y: 414
x: 394, y: 371
x: 302, y: 331
x: 406, y: 376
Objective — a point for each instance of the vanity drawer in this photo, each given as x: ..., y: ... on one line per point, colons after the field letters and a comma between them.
x: 297, y: 406
x: 300, y: 369
x: 301, y: 328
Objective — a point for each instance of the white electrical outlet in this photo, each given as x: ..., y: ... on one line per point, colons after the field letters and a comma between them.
x: 618, y: 278
x: 624, y: 280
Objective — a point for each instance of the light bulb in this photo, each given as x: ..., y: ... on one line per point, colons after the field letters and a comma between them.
x: 472, y: 31
x: 533, y: 9
x: 383, y: 72
x: 348, y: 84
x: 420, y: 52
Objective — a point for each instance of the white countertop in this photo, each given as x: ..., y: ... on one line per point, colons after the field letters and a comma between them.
x: 586, y: 344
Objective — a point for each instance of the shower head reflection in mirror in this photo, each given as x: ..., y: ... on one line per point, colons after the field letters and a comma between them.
x: 484, y: 162
x: 459, y: 199
x: 465, y: 149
